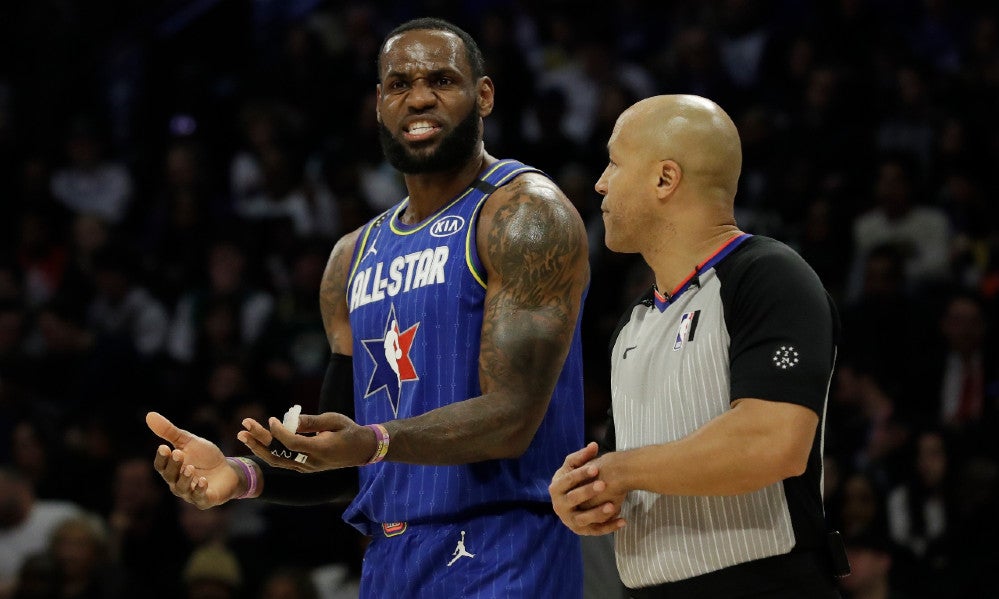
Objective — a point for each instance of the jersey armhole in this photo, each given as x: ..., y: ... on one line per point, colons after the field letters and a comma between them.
x: 360, y: 244
x: 502, y: 173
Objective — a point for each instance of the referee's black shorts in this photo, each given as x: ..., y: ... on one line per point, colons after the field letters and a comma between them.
x: 795, y: 575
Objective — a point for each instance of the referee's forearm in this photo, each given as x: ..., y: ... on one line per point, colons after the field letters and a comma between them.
x: 738, y: 452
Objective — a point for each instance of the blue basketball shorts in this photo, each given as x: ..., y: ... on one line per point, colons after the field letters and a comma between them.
x: 516, y: 554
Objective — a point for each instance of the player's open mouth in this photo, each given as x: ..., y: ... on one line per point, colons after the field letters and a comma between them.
x: 421, y: 130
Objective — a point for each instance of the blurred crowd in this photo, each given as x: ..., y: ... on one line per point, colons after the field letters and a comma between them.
x: 173, y: 175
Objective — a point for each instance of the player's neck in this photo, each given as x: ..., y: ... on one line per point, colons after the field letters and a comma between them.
x: 429, y: 191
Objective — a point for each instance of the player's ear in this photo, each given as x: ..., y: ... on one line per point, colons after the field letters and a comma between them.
x: 378, y: 109
x: 486, y: 96
x: 670, y: 174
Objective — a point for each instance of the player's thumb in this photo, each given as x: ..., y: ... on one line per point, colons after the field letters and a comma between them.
x: 164, y: 429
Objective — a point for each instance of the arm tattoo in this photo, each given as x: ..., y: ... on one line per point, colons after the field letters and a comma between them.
x: 537, y: 250
x: 333, y: 296
x: 534, y: 246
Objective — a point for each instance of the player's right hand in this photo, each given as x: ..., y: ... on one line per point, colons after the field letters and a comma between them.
x: 195, y: 468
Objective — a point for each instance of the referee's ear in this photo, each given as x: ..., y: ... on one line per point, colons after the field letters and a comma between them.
x: 670, y: 175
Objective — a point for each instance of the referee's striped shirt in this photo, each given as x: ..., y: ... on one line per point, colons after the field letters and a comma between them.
x: 753, y: 321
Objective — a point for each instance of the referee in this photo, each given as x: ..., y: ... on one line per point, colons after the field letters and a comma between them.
x: 720, y: 377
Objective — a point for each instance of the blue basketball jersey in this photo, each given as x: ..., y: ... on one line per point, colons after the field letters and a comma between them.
x: 416, y: 296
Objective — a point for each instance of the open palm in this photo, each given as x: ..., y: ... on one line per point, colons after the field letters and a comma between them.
x: 195, y: 468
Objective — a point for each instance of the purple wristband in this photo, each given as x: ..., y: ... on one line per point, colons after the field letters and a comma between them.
x: 382, y: 436
x: 251, y: 476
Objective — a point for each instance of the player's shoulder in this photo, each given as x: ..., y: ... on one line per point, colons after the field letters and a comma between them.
x: 343, y: 251
x: 529, y: 196
x: 529, y: 187
x: 530, y: 217
x: 347, y: 242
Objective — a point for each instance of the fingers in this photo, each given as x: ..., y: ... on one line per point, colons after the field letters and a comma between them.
x: 184, y: 480
x: 565, y: 481
x: 164, y: 429
x: 582, y: 501
x: 571, y: 474
x: 587, y: 496
x: 569, y: 491
x: 578, y: 458
x: 600, y: 516
x: 255, y: 430
x: 199, y: 492
x: 169, y: 463
x: 601, y: 519
x: 193, y: 488
x: 279, y: 432
x: 321, y: 442
x: 602, y: 528
x: 160, y: 461
x: 252, y: 439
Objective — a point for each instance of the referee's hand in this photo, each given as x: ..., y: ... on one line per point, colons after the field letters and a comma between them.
x: 575, y: 484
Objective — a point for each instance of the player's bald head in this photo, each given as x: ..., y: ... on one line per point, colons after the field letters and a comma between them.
x: 692, y: 131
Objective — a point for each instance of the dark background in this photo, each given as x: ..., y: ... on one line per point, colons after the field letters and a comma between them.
x: 173, y: 175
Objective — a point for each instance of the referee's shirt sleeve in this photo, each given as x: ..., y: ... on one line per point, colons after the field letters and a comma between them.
x: 782, y: 327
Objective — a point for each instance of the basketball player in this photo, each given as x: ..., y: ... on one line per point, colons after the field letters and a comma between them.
x: 719, y: 375
x: 454, y: 322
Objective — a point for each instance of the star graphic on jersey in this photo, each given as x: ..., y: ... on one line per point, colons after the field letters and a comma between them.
x: 392, y: 362
x: 785, y: 357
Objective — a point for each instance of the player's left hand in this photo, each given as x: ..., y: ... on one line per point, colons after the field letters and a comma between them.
x: 333, y: 441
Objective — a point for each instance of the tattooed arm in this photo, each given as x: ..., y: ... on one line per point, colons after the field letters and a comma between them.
x: 533, y: 245
x: 333, y: 295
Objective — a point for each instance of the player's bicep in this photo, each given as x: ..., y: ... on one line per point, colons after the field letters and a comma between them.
x: 535, y: 254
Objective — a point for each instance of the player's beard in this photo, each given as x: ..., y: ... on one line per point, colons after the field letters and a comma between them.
x: 454, y: 149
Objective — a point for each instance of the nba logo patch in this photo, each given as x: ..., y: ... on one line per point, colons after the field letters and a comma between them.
x: 393, y: 529
x: 688, y: 324
x: 390, y: 357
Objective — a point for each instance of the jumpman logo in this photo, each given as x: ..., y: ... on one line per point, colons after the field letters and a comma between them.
x: 460, y: 551
x: 371, y: 250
